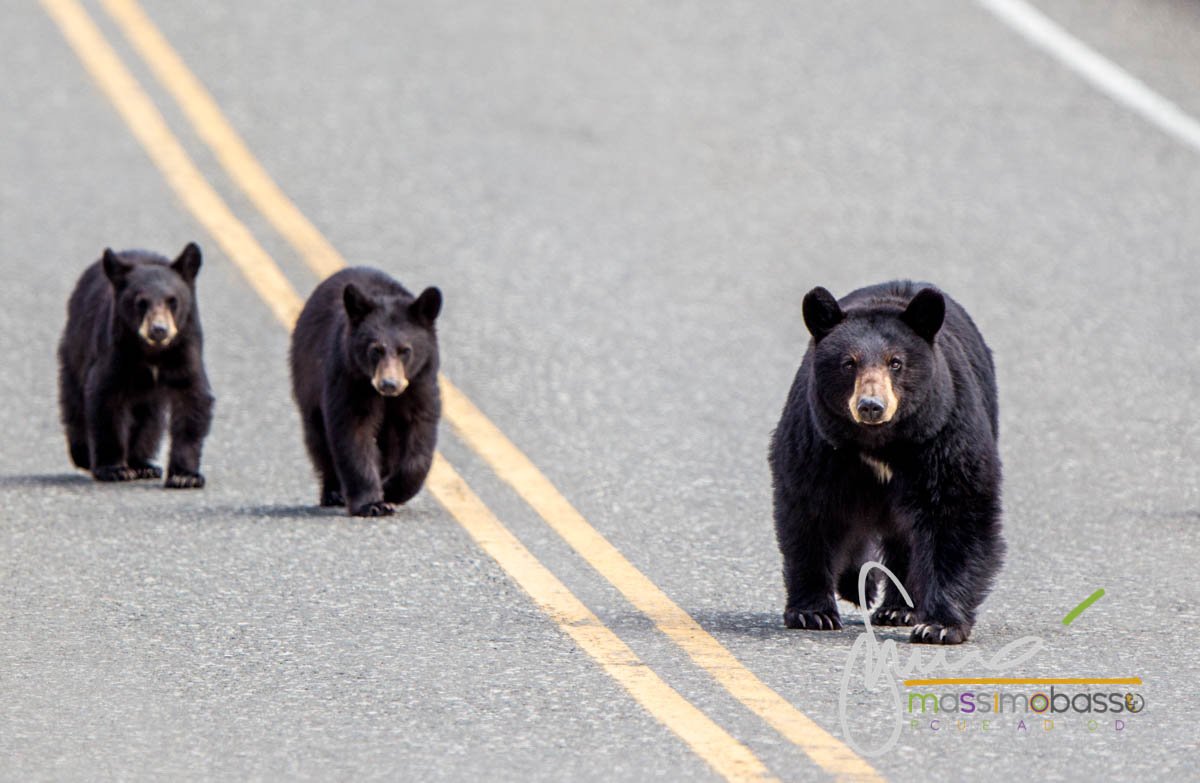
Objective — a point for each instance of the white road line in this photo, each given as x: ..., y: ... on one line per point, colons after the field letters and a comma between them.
x: 1100, y: 72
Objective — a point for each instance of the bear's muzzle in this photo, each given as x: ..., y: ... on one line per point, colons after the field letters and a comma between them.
x: 158, y: 327
x: 874, y: 401
x: 389, y: 378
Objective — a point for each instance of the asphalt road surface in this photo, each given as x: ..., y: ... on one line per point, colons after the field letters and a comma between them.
x: 623, y: 204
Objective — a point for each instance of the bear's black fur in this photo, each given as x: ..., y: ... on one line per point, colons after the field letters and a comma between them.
x: 888, y: 446
x: 132, y: 350
x: 364, y: 373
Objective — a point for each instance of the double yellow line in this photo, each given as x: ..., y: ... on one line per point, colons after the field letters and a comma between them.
x: 725, y: 754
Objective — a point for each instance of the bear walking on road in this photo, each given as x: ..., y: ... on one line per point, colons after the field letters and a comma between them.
x: 130, y: 354
x: 364, y: 373
x: 888, y: 446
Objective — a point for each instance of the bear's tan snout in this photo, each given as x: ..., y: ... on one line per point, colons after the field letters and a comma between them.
x: 158, y: 326
x: 874, y: 400
x: 389, y: 379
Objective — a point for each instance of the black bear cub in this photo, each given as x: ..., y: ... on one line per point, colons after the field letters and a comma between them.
x: 887, y: 447
x: 130, y: 354
x: 364, y: 374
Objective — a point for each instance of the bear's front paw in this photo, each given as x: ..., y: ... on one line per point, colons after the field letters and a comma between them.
x: 884, y: 616
x: 332, y: 497
x: 145, y: 470
x: 932, y: 633
x: 184, y: 481
x: 813, y: 620
x: 376, y: 509
x: 114, y: 473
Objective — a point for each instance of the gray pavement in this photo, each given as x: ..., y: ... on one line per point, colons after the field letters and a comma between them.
x: 624, y: 205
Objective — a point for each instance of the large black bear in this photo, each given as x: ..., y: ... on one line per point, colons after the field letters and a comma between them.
x: 364, y: 373
x: 888, y: 446
x: 132, y: 350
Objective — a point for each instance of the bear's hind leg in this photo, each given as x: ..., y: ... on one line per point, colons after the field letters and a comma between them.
x: 318, y: 452
x: 848, y: 584
x: 893, y: 611
x: 145, y: 435
x: 74, y: 417
x: 406, y: 482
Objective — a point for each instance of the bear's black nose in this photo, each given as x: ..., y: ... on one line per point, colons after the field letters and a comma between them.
x: 388, y: 386
x: 158, y: 332
x: 870, y: 408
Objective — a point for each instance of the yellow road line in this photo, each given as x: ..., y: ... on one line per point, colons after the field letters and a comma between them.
x: 210, y: 124
x: 709, y: 741
x: 149, y: 127
x: 515, y: 469
x: 720, y: 750
x: 482, y: 436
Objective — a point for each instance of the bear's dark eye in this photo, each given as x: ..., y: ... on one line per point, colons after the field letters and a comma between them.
x: 896, y: 365
x: 376, y: 352
x: 143, y: 304
x: 172, y: 303
x: 849, y: 364
x: 405, y: 351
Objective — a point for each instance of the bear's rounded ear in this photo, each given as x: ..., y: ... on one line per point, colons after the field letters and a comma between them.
x: 821, y: 312
x: 115, y: 269
x: 925, y: 313
x: 358, y: 305
x: 427, y: 306
x: 188, y: 264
